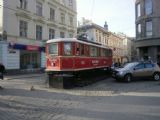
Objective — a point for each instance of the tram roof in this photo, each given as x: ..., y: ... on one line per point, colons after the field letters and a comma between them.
x: 76, y: 40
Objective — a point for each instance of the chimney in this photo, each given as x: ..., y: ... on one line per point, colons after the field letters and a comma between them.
x: 106, y: 26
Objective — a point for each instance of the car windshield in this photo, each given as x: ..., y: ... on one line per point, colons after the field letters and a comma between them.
x: 129, y: 65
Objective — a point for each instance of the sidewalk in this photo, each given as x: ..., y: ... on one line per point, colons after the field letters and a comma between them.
x: 27, y: 75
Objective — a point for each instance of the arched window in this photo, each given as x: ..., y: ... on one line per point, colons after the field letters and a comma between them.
x: 148, y: 7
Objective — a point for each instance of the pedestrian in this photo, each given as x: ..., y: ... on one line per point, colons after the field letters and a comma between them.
x: 2, y: 70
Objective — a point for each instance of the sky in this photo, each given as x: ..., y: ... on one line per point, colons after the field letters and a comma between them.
x: 119, y: 14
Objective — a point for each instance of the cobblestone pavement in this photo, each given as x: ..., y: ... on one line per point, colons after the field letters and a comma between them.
x: 105, y: 100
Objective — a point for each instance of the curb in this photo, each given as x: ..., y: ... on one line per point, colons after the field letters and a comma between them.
x: 18, y: 77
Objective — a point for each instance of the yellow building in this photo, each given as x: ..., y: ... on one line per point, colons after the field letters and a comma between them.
x: 116, y: 44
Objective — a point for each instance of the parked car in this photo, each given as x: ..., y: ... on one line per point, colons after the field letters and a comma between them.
x: 137, y: 70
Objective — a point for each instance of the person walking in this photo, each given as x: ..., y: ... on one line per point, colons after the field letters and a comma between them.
x: 2, y: 70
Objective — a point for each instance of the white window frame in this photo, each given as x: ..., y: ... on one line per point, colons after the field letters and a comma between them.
x: 39, y: 8
x: 149, y: 28
x: 51, y: 33
x: 39, y: 32
x: 23, y: 28
x: 138, y: 10
x: 23, y: 4
x: 148, y: 7
x: 52, y: 14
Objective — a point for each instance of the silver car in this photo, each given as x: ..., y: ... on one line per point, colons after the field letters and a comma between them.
x: 137, y: 70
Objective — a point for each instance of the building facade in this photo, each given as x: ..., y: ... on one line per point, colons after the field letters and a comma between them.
x: 94, y: 32
x: 25, y: 25
x: 98, y: 34
x: 116, y: 43
x: 148, y: 29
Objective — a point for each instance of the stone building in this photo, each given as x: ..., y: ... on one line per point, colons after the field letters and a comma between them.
x: 116, y: 43
x: 148, y: 29
x: 27, y: 24
x: 94, y: 32
x: 98, y: 34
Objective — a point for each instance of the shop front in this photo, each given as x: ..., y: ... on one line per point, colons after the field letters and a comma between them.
x: 30, y: 57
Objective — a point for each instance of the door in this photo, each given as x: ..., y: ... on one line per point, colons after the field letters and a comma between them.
x: 149, y: 69
x: 139, y: 70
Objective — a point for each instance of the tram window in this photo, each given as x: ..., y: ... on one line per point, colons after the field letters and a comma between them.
x: 53, y: 48
x: 99, y: 52
x: 82, y: 49
x: 110, y: 53
x: 77, y: 49
x: 86, y: 50
x: 102, y: 52
x: 67, y: 49
x: 93, y: 51
x: 106, y: 53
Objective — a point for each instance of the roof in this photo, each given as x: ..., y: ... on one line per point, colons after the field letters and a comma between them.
x: 93, y: 25
x: 75, y: 40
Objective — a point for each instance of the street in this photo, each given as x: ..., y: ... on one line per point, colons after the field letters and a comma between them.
x: 104, y: 100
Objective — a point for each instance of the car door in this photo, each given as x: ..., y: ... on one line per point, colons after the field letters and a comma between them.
x: 138, y: 70
x: 149, y: 69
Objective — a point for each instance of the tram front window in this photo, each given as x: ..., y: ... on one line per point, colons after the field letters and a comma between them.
x: 53, y: 49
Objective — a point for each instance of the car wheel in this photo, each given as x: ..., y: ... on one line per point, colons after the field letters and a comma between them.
x: 156, y: 76
x: 128, y: 78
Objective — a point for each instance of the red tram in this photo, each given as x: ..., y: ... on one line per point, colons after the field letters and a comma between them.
x: 72, y: 55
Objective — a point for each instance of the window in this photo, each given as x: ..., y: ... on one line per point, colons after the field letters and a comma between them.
x: 62, y: 18
x: 71, y: 21
x: 82, y: 50
x: 67, y: 49
x: 52, y: 14
x: 93, y: 51
x: 103, y: 52
x: 39, y: 8
x: 138, y: 10
x: 139, y: 66
x: 77, y: 48
x: 71, y: 35
x: 53, y: 48
x: 70, y: 2
x: 38, y: 32
x: 62, y: 35
x: 51, y: 33
x: 148, y: 65
x: 148, y: 28
x: 23, y: 28
x: 139, y: 30
x: 148, y: 7
x: 23, y: 4
x: 62, y: 2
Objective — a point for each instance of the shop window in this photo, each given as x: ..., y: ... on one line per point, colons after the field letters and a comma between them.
x: 67, y: 49
x: 53, y: 49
